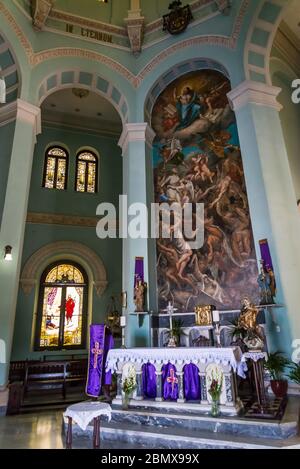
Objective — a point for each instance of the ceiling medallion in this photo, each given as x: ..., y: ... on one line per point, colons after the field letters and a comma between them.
x: 80, y: 92
x: 178, y: 19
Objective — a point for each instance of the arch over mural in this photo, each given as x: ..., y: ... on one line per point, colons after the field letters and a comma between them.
x: 93, y: 82
x: 175, y: 72
x: 260, y: 40
x: 62, y: 250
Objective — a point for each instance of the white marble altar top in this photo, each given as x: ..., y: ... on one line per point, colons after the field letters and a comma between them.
x: 226, y: 356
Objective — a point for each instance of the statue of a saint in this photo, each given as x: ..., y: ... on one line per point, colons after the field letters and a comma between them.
x: 267, y: 285
x: 139, y: 296
x: 248, y: 321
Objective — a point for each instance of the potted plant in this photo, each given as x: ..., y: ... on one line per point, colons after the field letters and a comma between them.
x: 276, y: 365
x: 294, y: 374
x: 215, y: 390
x: 128, y: 387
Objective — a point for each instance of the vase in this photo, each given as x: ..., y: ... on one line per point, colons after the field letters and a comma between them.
x: 215, y: 409
x: 125, y: 401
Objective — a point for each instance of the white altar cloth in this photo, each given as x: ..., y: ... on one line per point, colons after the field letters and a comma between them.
x: 224, y: 356
x: 84, y: 412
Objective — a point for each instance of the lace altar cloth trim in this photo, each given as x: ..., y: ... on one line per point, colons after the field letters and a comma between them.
x: 255, y: 356
x: 224, y: 356
x: 84, y: 412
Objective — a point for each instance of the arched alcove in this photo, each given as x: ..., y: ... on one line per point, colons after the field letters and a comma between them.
x: 60, y: 250
x: 197, y: 160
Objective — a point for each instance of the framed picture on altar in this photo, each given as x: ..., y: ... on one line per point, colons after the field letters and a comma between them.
x: 204, y: 315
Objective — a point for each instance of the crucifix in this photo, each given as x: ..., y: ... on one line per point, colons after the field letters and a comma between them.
x: 96, y: 351
x: 172, y: 379
x: 170, y: 310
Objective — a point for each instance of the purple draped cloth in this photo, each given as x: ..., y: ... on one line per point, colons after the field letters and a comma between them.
x: 169, y: 382
x: 149, y: 381
x: 139, y: 270
x: 109, y: 344
x: 265, y: 253
x: 100, y: 343
x: 191, y: 382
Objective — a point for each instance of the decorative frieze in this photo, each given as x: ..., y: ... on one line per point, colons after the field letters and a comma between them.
x: 40, y: 12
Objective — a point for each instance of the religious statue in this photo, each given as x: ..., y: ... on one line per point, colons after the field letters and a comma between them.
x: 248, y: 322
x: 267, y: 284
x: 204, y: 315
x: 139, y: 296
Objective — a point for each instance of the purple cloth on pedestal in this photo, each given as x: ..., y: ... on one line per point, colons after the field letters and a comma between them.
x: 169, y: 382
x: 191, y: 382
x: 99, y: 344
x: 149, y: 380
x: 109, y: 344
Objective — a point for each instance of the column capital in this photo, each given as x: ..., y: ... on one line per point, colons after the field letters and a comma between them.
x: 251, y: 92
x: 27, y: 112
x: 138, y: 132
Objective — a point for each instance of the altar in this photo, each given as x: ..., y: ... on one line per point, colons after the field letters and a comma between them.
x: 174, y: 367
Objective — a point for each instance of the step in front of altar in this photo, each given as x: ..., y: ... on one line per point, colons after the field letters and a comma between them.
x: 117, y: 434
x: 150, y: 428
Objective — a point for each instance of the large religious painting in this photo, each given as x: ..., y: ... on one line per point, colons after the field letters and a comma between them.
x: 62, y: 308
x: 197, y: 159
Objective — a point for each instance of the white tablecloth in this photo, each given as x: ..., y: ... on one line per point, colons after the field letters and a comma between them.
x: 84, y: 412
x: 227, y: 356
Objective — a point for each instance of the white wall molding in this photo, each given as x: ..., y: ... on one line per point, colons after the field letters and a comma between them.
x: 255, y: 93
x: 138, y: 132
x: 27, y: 112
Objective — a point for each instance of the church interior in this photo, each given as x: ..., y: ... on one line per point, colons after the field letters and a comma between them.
x: 149, y: 224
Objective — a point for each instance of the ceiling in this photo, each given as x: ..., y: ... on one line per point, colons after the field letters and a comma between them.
x: 91, y: 112
x: 292, y: 17
x: 114, y: 11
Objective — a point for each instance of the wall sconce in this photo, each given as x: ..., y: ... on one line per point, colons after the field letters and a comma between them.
x: 8, y: 253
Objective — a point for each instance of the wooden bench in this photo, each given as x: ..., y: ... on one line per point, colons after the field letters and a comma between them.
x: 48, y: 375
x: 27, y: 378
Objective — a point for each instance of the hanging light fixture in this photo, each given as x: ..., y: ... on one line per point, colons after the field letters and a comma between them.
x: 103, y: 1
x: 2, y: 89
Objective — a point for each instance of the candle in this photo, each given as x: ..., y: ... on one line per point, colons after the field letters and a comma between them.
x: 216, y: 316
x: 123, y: 321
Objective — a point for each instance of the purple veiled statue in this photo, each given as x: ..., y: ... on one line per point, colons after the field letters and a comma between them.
x: 149, y: 381
x: 169, y: 382
x: 191, y: 382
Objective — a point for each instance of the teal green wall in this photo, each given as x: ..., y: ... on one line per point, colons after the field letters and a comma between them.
x: 6, y: 141
x: 290, y: 119
x: 70, y: 203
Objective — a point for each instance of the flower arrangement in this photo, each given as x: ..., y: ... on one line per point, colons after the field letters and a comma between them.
x: 129, y: 381
x: 215, y: 388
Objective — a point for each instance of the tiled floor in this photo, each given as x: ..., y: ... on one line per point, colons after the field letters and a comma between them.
x: 41, y: 431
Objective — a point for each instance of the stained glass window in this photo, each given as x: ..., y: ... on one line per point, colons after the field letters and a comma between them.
x: 56, y: 165
x: 62, y: 312
x: 86, y: 172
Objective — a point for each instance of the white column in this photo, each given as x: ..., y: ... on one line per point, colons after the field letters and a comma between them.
x: 28, y: 125
x: 272, y: 198
x: 136, y: 143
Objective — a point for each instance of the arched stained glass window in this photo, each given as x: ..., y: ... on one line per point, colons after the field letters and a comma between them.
x: 86, y: 172
x: 62, y: 315
x: 56, y: 166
